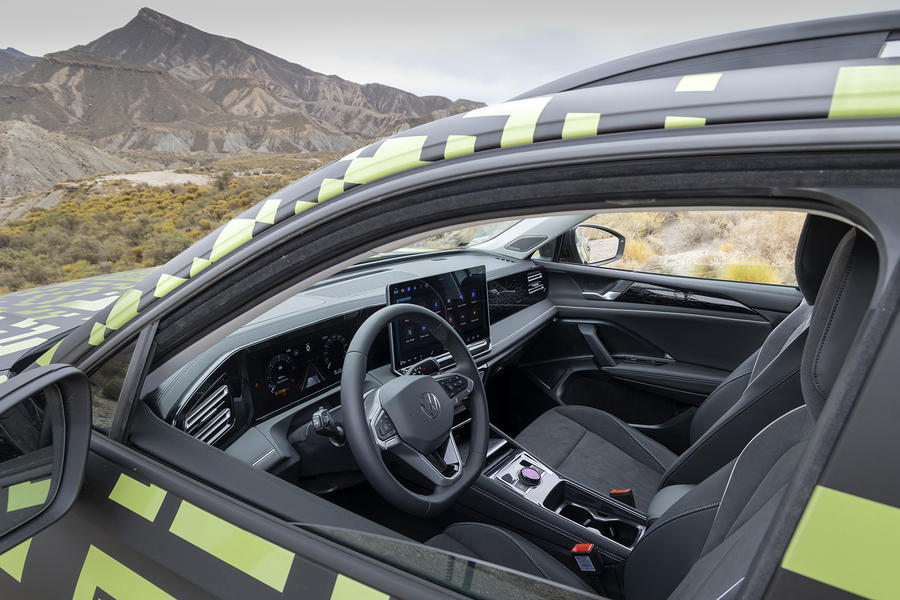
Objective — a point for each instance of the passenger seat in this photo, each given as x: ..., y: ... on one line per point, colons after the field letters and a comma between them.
x: 602, y: 452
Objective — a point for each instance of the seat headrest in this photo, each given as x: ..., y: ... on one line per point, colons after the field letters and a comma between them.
x: 818, y: 240
x: 843, y: 300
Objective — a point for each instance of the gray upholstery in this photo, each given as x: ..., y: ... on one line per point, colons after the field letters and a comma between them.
x: 685, y: 525
x: 506, y: 549
x: 598, y: 450
x: 818, y: 239
x: 773, y: 388
x: 665, y: 498
x: 763, y: 387
x: 852, y: 277
x: 702, y: 547
x: 756, y: 487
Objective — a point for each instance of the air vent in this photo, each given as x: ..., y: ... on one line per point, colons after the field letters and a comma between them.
x: 210, y: 418
x: 535, y: 282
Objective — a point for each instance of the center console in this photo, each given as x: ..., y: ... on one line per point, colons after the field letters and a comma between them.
x: 517, y: 490
x: 531, y: 479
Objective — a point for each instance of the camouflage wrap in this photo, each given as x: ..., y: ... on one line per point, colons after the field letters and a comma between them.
x: 33, y: 317
x: 836, y: 90
x: 184, y: 551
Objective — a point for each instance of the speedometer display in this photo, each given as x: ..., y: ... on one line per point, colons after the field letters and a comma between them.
x: 333, y: 353
x: 299, y: 364
x: 280, y: 375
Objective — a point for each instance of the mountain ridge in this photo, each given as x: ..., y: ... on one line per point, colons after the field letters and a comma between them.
x: 159, y: 84
x: 13, y: 62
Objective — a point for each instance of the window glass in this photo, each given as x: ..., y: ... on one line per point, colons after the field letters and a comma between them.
x: 453, y: 240
x: 736, y: 245
x: 106, y: 384
x: 546, y: 250
x: 472, y: 578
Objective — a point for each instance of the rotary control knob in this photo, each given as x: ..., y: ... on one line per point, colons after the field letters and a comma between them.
x: 529, y: 476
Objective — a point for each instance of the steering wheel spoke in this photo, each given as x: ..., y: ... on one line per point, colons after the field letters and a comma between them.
x: 458, y: 386
x: 380, y: 425
x: 441, y: 467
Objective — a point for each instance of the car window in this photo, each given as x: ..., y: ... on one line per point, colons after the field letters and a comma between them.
x: 465, y: 575
x: 106, y: 384
x: 735, y: 245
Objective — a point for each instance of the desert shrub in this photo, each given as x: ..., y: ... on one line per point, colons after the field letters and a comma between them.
x: 224, y: 180
x: 756, y: 273
x: 118, y: 229
x: 637, y: 253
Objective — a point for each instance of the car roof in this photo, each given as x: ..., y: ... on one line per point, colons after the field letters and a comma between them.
x: 834, y: 89
x: 839, y: 38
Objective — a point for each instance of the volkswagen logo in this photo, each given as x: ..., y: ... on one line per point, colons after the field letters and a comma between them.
x: 430, y: 405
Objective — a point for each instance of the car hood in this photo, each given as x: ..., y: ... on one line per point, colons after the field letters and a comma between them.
x: 34, y: 317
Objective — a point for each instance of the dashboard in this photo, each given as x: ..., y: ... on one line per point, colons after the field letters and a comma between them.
x: 276, y: 370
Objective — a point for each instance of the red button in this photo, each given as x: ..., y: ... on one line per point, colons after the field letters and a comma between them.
x: 582, y: 548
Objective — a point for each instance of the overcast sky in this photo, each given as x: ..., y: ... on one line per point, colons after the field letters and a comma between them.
x: 485, y: 50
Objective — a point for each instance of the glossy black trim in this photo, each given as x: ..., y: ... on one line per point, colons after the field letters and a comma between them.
x: 513, y: 293
x: 640, y: 293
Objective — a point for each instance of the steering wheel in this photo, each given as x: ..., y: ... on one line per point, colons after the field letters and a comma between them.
x: 411, y: 416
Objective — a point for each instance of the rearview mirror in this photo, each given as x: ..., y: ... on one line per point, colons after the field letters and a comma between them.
x: 589, y: 244
x: 45, y: 420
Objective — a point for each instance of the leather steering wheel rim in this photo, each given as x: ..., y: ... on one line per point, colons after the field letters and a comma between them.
x: 358, y: 424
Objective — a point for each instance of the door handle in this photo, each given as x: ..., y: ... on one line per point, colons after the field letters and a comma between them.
x: 611, y: 293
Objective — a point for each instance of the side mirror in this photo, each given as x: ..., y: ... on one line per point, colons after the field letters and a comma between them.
x: 589, y: 244
x: 45, y: 428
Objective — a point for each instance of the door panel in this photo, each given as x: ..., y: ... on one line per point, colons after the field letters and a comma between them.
x: 646, y: 347
x: 140, y: 530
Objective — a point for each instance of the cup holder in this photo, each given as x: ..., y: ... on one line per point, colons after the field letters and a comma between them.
x: 609, y: 527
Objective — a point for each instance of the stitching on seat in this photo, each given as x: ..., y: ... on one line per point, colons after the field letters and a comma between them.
x: 636, y: 440
x: 828, y: 324
x: 572, y: 449
x: 684, y: 513
x: 734, y: 585
x: 625, y: 429
x: 713, y: 430
x: 738, y: 460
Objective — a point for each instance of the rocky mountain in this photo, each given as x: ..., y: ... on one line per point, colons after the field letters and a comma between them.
x: 32, y: 158
x: 13, y: 62
x: 159, y: 84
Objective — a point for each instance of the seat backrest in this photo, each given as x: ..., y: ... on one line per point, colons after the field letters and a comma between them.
x: 710, y: 539
x: 767, y: 384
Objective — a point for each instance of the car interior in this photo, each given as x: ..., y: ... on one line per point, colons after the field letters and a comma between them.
x: 507, y: 400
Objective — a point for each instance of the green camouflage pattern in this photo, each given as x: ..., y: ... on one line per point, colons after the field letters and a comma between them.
x: 815, y: 91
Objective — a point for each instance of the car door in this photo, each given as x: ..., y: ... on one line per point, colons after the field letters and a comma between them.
x: 106, y: 521
x: 87, y: 517
x: 648, y: 343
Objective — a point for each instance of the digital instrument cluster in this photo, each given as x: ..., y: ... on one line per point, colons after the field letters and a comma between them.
x: 460, y: 297
x: 299, y: 364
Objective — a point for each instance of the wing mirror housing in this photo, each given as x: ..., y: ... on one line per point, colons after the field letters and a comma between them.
x: 45, y: 429
x: 589, y: 244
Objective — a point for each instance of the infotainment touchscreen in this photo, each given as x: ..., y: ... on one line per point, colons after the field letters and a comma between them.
x: 460, y: 297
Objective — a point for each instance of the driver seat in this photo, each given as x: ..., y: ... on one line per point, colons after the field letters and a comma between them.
x: 702, y: 546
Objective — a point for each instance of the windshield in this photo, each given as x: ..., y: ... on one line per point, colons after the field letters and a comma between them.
x: 453, y: 240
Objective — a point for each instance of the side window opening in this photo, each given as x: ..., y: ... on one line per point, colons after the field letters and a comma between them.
x: 734, y: 245
x: 106, y: 384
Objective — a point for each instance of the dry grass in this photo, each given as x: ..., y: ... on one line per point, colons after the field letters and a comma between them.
x: 755, y: 246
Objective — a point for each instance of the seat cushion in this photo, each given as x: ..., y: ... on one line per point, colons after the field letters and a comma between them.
x: 506, y: 549
x: 598, y: 450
